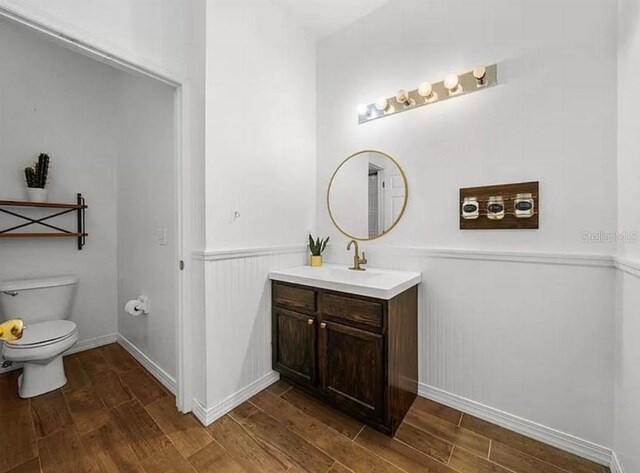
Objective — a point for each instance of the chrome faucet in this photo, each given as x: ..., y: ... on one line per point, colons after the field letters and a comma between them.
x: 357, y: 261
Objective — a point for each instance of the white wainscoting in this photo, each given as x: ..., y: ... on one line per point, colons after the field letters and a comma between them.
x: 238, y: 324
x: 627, y: 369
x: 526, y: 334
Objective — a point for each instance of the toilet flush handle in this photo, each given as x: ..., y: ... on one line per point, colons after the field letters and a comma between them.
x: 11, y: 293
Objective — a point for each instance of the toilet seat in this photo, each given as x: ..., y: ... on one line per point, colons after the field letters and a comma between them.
x: 44, y: 333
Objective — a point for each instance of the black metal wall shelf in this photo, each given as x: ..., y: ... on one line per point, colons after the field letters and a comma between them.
x: 79, y: 207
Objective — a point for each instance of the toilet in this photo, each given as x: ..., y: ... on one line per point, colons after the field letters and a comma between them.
x: 43, y: 305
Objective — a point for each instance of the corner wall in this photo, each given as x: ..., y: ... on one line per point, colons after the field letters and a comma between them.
x: 260, y: 149
x: 519, y: 322
x: 627, y: 398
x: 147, y: 203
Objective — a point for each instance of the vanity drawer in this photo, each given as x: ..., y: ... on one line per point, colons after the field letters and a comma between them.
x: 295, y: 297
x: 358, y: 312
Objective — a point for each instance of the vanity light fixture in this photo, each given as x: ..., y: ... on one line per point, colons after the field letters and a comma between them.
x: 452, y: 84
x: 480, y: 72
x: 382, y: 104
x: 426, y: 90
x: 402, y: 97
x: 427, y: 93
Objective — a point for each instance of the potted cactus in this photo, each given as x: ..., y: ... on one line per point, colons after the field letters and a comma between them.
x: 36, y: 177
x: 316, y: 247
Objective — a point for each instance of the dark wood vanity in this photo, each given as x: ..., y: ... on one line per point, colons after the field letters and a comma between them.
x: 358, y: 354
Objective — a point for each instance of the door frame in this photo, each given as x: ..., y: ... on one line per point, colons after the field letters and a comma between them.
x: 184, y: 162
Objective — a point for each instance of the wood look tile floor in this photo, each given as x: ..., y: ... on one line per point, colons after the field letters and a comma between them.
x: 112, y: 416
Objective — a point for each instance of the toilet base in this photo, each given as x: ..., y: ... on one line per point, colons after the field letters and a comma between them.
x: 40, y: 378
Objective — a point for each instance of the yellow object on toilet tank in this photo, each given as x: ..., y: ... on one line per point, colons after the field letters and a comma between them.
x: 11, y: 330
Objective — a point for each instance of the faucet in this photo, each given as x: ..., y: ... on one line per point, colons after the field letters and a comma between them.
x: 357, y: 261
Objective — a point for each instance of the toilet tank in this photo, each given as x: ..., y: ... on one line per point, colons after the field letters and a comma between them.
x: 37, y: 300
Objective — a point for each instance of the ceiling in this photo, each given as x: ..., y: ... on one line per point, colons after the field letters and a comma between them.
x: 321, y: 18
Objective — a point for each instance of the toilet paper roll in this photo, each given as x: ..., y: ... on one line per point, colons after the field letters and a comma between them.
x: 133, y: 308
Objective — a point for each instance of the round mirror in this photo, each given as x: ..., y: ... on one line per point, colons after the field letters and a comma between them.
x: 367, y: 195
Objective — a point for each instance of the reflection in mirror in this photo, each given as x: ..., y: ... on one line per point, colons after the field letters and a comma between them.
x: 367, y: 195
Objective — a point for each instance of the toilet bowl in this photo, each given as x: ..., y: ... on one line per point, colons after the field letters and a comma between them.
x: 40, y: 350
x: 43, y: 305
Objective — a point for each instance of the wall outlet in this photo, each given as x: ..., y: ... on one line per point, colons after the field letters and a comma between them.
x: 162, y: 236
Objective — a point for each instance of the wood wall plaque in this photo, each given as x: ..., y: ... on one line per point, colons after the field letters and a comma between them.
x: 508, y: 192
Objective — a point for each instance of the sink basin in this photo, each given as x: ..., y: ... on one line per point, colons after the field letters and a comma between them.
x: 374, y: 282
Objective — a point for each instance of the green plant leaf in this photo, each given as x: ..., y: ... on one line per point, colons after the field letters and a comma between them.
x: 324, y: 244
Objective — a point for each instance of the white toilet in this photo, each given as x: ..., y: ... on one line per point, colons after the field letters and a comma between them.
x: 43, y: 305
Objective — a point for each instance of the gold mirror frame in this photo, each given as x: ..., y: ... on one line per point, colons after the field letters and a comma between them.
x: 404, y: 205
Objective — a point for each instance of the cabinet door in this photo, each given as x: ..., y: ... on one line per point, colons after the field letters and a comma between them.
x: 352, y: 369
x: 294, y: 348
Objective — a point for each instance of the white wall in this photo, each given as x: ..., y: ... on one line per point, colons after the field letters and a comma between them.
x: 546, y: 354
x: 260, y: 162
x: 261, y: 118
x: 627, y: 429
x: 58, y: 102
x: 147, y: 202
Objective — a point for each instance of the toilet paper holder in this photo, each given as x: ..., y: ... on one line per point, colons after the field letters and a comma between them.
x: 138, y: 306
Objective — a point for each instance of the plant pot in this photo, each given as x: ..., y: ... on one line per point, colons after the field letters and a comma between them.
x: 37, y: 194
x: 315, y: 261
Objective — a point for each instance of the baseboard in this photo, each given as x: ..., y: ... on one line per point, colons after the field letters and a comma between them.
x: 555, y: 438
x: 200, y: 412
x: 82, y: 345
x: 615, y: 465
x: 209, y: 415
x: 151, y: 366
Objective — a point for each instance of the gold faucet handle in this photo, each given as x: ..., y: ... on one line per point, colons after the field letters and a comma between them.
x: 11, y: 330
x: 363, y: 260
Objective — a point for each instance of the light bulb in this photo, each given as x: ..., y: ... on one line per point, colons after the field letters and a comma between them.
x: 403, y: 98
x: 382, y: 104
x: 363, y: 110
x: 451, y: 83
x: 426, y: 90
x: 480, y: 72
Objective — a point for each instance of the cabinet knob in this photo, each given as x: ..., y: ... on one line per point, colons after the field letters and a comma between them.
x: 310, y: 322
x: 323, y: 325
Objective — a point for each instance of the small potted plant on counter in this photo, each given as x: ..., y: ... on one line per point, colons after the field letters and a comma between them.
x: 317, y: 247
x: 36, y: 177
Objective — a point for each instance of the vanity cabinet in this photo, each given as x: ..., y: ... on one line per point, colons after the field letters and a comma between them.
x: 357, y: 353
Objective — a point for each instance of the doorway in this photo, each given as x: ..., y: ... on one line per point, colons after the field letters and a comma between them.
x: 149, y: 343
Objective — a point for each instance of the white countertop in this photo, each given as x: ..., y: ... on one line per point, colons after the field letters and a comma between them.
x: 374, y: 282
